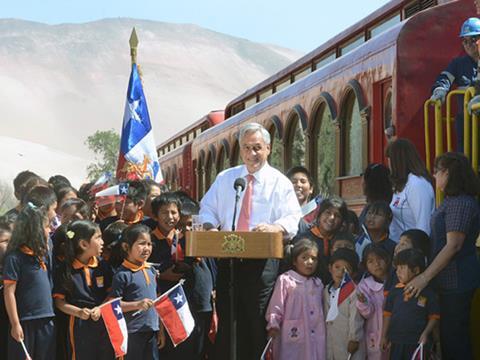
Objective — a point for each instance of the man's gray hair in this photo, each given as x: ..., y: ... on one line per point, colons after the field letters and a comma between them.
x: 252, y: 128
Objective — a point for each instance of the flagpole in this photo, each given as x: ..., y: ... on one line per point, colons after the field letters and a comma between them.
x: 162, y: 296
x: 25, y: 350
x: 133, y: 46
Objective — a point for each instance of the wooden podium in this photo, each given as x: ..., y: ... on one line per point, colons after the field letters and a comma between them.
x: 234, y: 244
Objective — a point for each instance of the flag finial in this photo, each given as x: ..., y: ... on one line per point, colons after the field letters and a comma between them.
x: 133, y: 46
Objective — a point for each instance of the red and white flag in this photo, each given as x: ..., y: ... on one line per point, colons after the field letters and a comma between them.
x: 175, y: 314
x: 347, y: 286
x: 116, y: 326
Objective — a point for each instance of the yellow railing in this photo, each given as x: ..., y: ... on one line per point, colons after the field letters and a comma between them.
x: 470, y: 130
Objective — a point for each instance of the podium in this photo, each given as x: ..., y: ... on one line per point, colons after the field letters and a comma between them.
x: 234, y: 244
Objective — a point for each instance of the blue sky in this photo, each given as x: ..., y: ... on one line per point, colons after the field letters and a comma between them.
x: 301, y: 24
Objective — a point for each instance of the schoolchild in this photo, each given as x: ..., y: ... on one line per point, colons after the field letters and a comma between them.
x: 43, y: 196
x: 294, y: 315
x: 19, y: 189
x: 408, y: 321
x: 167, y: 250
x: 81, y: 284
x: 343, y: 240
x: 5, y: 235
x: 112, y: 244
x: 153, y: 190
x: 410, y: 239
x: 130, y: 208
x: 135, y: 282
x: 74, y: 209
x: 345, y: 330
x: 27, y: 287
x: 370, y: 299
x: 378, y: 217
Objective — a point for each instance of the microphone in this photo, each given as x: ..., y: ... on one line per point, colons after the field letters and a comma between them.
x: 239, y: 186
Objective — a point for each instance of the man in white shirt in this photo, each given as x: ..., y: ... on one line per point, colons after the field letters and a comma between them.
x: 273, y: 207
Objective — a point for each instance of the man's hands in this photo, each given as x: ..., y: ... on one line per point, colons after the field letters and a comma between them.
x: 262, y: 227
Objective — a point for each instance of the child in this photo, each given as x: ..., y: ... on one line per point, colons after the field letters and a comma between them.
x: 416, y: 239
x: 112, y: 249
x: 74, y: 209
x: 5, y: 235
x: 343, y: 240
x: 130, y: 209
x: 370, y: 299
x: 294, y: 315
x: 345, y: 330
x: 167, y: 253
x: 81, y: 284
x: 135, y: 283
x: 377, y: 221
x: 408, y: 321
x: 28, y: 292
x: 153, y: 190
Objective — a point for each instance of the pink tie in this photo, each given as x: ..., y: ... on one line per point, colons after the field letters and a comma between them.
x: 244, y: 218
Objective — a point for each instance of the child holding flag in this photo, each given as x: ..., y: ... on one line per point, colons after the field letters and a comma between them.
x: 370, y: 298
x: 295, y: 315
x: 344, y: 323
x: 135, y: 282
x: 81, y: 284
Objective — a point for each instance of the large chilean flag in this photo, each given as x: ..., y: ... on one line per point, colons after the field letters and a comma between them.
x: 138, y: 157
x: 175, y: 314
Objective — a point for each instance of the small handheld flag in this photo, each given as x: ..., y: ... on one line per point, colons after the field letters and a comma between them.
x: 418, y: 354
x: 175, y: 315
x: 116, y: 326
x: 138, y: 157
x: 267, y: 353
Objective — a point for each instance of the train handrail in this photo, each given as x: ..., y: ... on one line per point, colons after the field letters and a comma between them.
x: 438, y: 130
x: 467, y: 134
x: 449, y: 117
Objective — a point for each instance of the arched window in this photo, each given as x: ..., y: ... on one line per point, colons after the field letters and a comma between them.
x: 222, y: 161
x: 235, y: 158
x: 210, y: 171
x: 389, y: 129
x: 174, y: 183
x: 296, y: 142
x: 352, y: 137
x: 276, y: 150
x: 324, y: 157
x: 201, y: 176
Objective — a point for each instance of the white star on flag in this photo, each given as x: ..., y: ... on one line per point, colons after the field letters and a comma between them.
x: 178, y: 298
x: 118, y: 309
x: 131, y: 111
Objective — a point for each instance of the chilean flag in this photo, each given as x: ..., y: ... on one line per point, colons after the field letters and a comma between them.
x: 175, y: 314
x: 116, y: 326
x: 347, y: 286
x: 138, y: 157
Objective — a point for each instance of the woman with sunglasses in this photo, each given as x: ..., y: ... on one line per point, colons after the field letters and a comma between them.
x: 461, y: 71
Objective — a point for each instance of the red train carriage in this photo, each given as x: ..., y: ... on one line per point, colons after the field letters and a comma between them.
x: 175, y: 154
x: 330, y: 109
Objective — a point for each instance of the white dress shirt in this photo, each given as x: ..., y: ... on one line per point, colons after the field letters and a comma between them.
x: 273, y: 200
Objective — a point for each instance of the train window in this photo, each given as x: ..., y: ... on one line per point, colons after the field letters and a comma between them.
x: 237, y: 108
x: 198, y: 132
x: 276, y: 150
x: 385, y: 25
x: 264, y: 94
x: 389, y: 128
x: 250, y: 102
x: 296, y: 143
x: 352, y: 138
x: 352, y: 44
x: 324, y: 60
x: 325, y: 151
x: 177, y: 143
x: 190, y: 136
x: 302, y: 73
x: 282, y: 85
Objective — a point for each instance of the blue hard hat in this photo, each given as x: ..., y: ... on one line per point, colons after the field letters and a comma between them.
x: 471, y: 27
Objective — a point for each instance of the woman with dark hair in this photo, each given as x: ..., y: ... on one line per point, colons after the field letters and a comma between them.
x: 413, y: 200
x: 331, y: 214
x: 455, y: 267
x: 376, y: 186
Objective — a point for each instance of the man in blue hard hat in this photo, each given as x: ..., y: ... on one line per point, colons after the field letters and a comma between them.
x: 461, y: 71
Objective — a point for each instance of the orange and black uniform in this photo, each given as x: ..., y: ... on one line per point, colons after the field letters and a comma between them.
x: 85, y: 286
x: 133, y: 283
x: 33, y: 295
x: 409, y: 318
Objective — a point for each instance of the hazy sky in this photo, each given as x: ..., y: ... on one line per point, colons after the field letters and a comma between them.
x: 296, y: 24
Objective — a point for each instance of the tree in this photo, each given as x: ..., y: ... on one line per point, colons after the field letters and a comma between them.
x: 7, y: 199
x: 106, y: 146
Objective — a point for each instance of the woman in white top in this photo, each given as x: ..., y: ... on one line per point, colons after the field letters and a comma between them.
x: 413, y: 199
